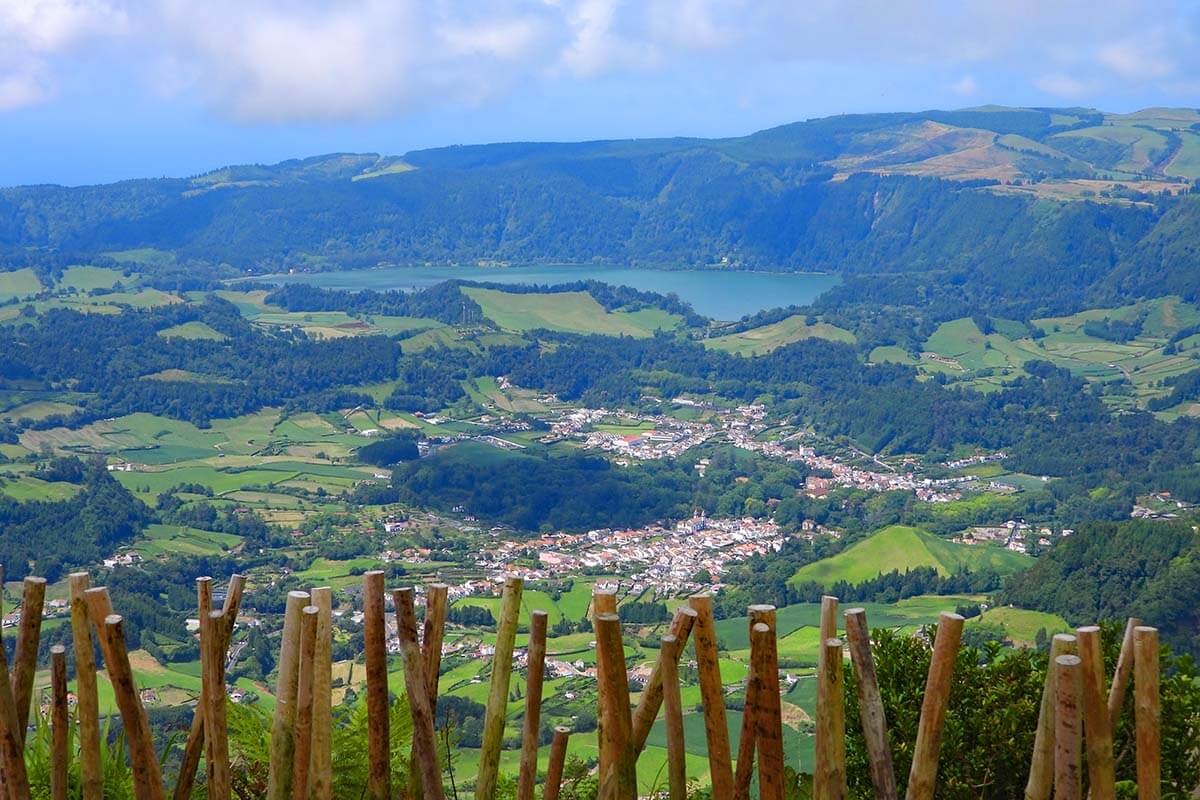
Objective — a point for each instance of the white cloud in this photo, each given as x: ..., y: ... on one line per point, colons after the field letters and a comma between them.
x: 966, y: 85
x: 1061, y: 85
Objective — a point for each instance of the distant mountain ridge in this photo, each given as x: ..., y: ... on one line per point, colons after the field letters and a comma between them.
x: 1087, y: 203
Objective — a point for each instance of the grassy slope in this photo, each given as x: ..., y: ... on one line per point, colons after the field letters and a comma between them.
x: 901, y: 547
x: 769, y: 337
x: 576, y: 312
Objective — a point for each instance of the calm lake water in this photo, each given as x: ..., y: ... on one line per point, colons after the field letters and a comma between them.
x: 724, y: 295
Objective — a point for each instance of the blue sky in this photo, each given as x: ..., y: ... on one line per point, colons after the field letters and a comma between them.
x: 100, y: 90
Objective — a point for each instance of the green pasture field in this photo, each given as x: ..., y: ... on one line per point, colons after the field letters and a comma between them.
x: 169, y: 540
x: 901, y: 547
x: 193, y: 330
x: 39, y: 410
x: 27, y: 488
x: 576, y: 312
x: 219, y: 481
x: 757, y: 341
x: 1021, y: 624
x: 85, y: 278
x: 19, y: 283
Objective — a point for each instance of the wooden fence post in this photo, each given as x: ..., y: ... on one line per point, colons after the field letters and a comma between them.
x: 828, y: 630
x: 1124, y: 671
x: 558, y: 756
x: 321, y: 777
x: 86, y: 698
x: 536, y: 663
x: 769, y: 731
x: 923, y: 776
x: 302, y: 759
x: 747, y: 737
x: 497, y: 702
x: 1147, y: 712
x: 829, y: 781
x: 33, y: 598
x: 60, y: 724
x: 213, y: 698
x: 379, y: 778
x: 416, y: 686
x: 712, y: 695
x: 1041, y: 767
x: 612, y: 686
x: 652, y: 696
x: 1094, y: 701
x: 146, y: 774
x: 870, y: 705
x: 668, y: 658
x: 283, y: 725
x: 432, y: 634
x: 1068, y: 772
x: 196, y: 739
x: 604, y: 601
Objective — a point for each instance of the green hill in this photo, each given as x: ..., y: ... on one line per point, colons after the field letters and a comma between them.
x: 901, y: 547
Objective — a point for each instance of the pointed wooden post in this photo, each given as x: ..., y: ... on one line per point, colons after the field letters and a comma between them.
x: 432, y: 634
x: 923, y: 776
x: 33, y: 598
x: 1124, y: 671
x: 60, y: 724
x: 652, y: 696
x: 604, y: 601
x: 1041, y: 768
x: 712, y: 695
x: 668, y: 659
x: 1068, y: 770
x: 195, y: 744
x: 769, y: 729
x: 497, y: 702
x: 321, y: 779
x: 536, y: 668
x: 146, y: 775
x: 744, y: 770
x: 829, y: 776
x: 612, y: 685
x: 1146, y: 712
x: 1094, y: 701
x: 302, y: 759
x: 822, y: 752
x: 12, y: 752
x: 283, y: 725
x: 558, y: 756
x: 417, y: 686
x: 870, y: 705
x: 213, y: 697
x: 86, y: 698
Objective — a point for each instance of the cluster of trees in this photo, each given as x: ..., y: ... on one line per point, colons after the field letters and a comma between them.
x: 897, y: 585
x: 47, y: 538
x: 1183, y: 388
x: 1108, y: 570
x: 444, y: 302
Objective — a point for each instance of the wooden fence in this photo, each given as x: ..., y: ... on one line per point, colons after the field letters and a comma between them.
x: 1079, y: 705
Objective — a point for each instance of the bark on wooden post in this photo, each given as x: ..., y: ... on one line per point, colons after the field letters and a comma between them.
x: 33, y: 598
x: 1094, y: 701
x: 203, y: 607
x: 432, y: 634
x: 870, y: 704
x: 923, y: 776
x: 283, y: 725
x: 379, y: 770
x: 213, y: 697
x: 60, y: 724
x: 497, y: 702
x: 144, y: 761
x: 769, y: 730
x: 1041, y: 767
x: 1124, y: 671
x: 612, y: 685
x: 829, y: 776
x: 652, y: 696
x: 302, y: 759
x: 12, y: 755
x: 712, y: 695
x: 1147, y: 712
x: 747, y: 737
x: 321, y: 776
x: 829, y: 609
x: 604, y: 601
x: 196, y: 739
x: 673, y: 717
x: 558, y: 756
x: 86, y: 698
x: 536, y: 663
x: 416, y: 686
x: 1068, y: 768
x: 99, y: 606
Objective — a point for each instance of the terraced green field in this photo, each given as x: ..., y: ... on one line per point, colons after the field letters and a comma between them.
x: 193, y: 330
x: 901, y: 547
x: 168, y: 540
x: 757, y: 341
x: 576, y: 312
